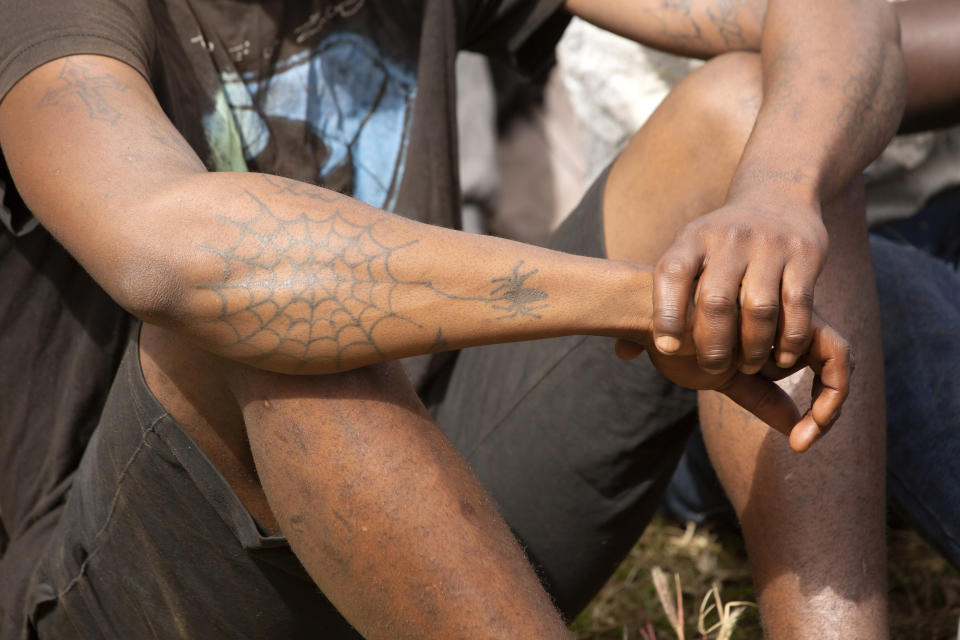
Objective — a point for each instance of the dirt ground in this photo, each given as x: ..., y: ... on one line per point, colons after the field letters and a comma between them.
x: 924, y: 590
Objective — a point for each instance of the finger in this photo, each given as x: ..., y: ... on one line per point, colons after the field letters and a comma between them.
x: 627, y: 350
x: 759, y: 312
x: 805, y: 434
x: 765, y: 400
x: 716, y: 313
x: 771, y: 371
x: 796, y: 294
x: 672, y: 284
x: 831, y: 359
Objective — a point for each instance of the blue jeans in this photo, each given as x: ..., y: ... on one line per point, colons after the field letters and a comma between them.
x: 916, y: 263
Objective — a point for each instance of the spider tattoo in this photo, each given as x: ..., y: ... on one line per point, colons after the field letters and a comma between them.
x: 520, y: 300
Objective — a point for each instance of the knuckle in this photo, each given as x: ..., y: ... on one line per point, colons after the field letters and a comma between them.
x: 675, y: 267
x: 756, y: 356
x: 806, y: 250
x: 669, y: 314
x: 761, y: 312
x: 795, y: 339
x: 799, y: 298
x: 716, y: 305
x: 689, y: 232
x: 802, y: 244
x: 715, y: 358
x: 668, y: 321
x: 739, y: 233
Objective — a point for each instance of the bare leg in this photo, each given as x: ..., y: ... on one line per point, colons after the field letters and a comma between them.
x: 814, y: 523
x: 374, y: 500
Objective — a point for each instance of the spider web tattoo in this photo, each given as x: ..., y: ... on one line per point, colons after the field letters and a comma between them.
x: 310, y: 288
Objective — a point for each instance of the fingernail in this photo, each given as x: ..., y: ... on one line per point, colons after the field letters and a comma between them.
x: 667, y: 344
x: 786, y: 360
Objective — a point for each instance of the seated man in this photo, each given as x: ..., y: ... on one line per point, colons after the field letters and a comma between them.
x: 220, y: 439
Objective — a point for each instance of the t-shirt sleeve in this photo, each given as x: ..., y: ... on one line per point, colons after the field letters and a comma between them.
x: 522, y: 33
x: 34, y: 32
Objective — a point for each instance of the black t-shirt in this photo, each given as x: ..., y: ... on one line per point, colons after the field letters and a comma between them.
x: 355, y: 95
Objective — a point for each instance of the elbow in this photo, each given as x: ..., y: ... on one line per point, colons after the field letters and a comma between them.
x: 154, y: 263
x: 151, y: 288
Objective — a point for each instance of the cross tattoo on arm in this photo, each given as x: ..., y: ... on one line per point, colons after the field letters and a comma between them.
x: 88, y: 88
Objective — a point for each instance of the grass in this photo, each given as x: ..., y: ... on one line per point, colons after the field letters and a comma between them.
x: 687, y: 584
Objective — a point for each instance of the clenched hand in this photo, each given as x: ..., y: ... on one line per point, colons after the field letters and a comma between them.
x: 751, y: 267
x: 827, y: 354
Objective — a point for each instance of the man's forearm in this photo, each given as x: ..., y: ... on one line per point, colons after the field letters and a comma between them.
x: 272, y: 272
x: 833, y: 96
x: 833, y: 76
x: 298, y: 279
x: 694, y: 28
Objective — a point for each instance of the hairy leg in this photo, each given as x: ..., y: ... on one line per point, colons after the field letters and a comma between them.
x: 378, y: 506
x: 814, y: 523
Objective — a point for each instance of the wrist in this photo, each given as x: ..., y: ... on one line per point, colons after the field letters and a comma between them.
x: 793, y: 185
x: 776, y: 199
x: 629, y: 311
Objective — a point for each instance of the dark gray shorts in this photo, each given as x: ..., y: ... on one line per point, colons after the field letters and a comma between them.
x: 575, y: 445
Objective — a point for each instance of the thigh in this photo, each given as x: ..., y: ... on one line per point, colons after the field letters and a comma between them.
x: 574, y: 445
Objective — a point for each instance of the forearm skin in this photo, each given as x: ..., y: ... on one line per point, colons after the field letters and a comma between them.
x: 834, y: 92
x: 271, y: 272
x: 297, y: 279
x: 693, y: 28
x: 833, y: 78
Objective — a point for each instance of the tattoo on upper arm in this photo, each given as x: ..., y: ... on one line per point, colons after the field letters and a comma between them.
x: 79, y: 81
x: 313, y: 288
x: 171, y: 140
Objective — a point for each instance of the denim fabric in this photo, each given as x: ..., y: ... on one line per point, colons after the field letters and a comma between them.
x: 916, y: 263
x: 920, y: 302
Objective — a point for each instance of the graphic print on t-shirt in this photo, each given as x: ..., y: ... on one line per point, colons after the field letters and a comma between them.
x: 354, y: 101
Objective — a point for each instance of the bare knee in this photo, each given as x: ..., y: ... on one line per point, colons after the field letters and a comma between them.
x: 679, y: 165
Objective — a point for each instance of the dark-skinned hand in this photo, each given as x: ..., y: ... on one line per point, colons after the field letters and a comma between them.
x: 749, y: 269
x: 828, y: 355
